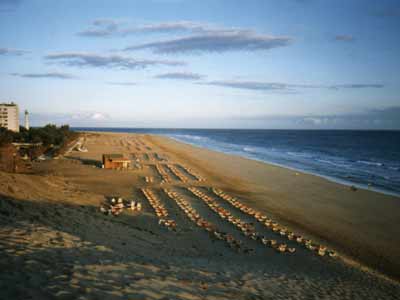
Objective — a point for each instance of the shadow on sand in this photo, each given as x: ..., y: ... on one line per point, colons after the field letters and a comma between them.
x: 86, y: 161
x: 59, y: 250
x: 69, y: 252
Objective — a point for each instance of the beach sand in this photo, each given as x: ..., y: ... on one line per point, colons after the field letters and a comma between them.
x: 56, y: 243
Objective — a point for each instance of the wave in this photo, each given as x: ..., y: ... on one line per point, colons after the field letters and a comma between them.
x: 300, y: 154
x: 190, y: 137
x: 249, y: 149
x: 371, y: 163
x: 334, y: 163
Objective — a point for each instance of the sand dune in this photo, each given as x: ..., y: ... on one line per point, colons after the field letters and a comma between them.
x: 56, y: 243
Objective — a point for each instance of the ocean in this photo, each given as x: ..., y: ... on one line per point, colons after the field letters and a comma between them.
x: 367, y: 159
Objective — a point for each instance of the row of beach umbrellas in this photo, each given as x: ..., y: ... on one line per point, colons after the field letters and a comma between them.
x: 194, y: 216
x: 163, y: 173
x: 274, y: 226
x: 178, y: 173
x: 159, y: 209
x: 246, y: 228
x: 193, y: 173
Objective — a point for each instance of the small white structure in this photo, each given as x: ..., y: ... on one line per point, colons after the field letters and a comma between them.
x: 26, y: 120
x: 9, y: 116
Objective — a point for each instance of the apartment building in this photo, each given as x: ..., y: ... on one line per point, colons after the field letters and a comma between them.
x: 9, y: 116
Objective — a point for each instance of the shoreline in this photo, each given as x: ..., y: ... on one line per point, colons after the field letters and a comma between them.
x: 342, y: 181
x: 329, y: 178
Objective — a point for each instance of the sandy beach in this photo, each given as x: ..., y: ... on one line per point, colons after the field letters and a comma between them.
x: 57, y: 244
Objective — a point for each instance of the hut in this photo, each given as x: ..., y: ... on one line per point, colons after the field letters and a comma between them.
x: 115, y: 161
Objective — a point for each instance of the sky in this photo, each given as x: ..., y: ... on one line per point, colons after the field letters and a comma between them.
x: 287, y: 64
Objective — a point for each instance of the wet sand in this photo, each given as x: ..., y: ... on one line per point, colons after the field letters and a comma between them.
x: 56, y: 243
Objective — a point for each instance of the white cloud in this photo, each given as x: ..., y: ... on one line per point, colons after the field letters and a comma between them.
x: 98, y: 117
x: 84, y: 59
x: 88, y: 116
x: 216, y: 41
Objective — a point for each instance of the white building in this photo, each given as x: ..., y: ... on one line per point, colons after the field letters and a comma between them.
x: 9, y: 116
x: 26, y: 120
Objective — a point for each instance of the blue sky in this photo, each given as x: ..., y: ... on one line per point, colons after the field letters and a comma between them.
x: 210, y: 63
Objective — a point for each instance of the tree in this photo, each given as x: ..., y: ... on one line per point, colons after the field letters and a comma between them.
x: 48, y: 135
x: 6, y: 136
